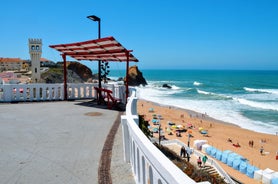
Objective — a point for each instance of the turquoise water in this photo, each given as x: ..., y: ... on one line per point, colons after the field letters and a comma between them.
x: 246, y: 98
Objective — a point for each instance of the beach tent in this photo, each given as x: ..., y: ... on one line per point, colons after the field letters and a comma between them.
x: 236, y: 163
x: 274, y: 181
x: 243, y: 167
x: 258, y: 175
x: 218, y: 155
x: 198, y: 144
x: 213, y: 152
x: 208, y: 150
x: 204, y: 147
x: 225, y: 155
x: 267, y: 176
x: 231, y: 158
x: 251, y: 170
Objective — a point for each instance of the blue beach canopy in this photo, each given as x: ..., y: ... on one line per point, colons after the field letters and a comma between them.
x: 243, y: 167
x: 208, y: 150
x: 231, y: 158
x: 218, y: 155
x: 250, y: 171
x: 225, y: 155
x: 236, y: 163
x: 213, y: 152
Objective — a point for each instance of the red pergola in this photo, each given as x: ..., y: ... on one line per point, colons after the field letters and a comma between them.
x: 103, y: 49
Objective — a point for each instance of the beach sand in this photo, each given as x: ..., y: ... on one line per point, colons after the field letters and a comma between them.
x: 218, y: 134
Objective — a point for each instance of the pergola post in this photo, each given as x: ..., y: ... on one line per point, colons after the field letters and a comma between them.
x: 126, y: 78
x: 65, y: 77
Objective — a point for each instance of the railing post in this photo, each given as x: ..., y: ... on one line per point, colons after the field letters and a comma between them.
x: 7, y: 93
x: 126, y: 139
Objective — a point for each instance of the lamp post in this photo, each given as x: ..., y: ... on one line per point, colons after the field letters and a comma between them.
x: 97, y: 19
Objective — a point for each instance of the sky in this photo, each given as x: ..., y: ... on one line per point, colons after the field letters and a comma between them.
x: 177, y: 34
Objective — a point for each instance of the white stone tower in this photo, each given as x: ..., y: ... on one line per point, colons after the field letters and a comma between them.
x: 35, y: 51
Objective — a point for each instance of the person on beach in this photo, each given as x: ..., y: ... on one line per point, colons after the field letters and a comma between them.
x: 182, y: 152
x: 262, y: 150
x: 204, y: 159
x: 199, y: 162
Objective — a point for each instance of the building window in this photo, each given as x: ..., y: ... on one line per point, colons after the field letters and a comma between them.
x: 35, y: 70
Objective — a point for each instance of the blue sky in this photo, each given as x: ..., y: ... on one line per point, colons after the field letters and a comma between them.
x: 178, y: 34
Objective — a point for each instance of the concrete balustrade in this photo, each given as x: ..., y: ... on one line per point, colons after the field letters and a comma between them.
x: 149, y: 165
x: 52, y: 92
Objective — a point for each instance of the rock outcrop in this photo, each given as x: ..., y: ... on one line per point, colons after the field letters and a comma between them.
x: 76, y: 73
x: 166, y: 86
x: 81, y: 70
x: 135, y: 77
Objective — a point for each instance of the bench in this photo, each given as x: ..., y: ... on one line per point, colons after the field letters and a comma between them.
x: 107, y: 94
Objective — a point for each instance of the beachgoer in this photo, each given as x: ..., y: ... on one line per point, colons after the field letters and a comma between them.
x: 199, y: 162
x: 204, y: 159
x: 182, y: 152
x: 262, y: 150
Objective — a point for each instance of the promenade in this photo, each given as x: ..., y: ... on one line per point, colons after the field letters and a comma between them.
x: 58, y: 142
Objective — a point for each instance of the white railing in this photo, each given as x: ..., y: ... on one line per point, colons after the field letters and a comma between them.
x: 149, y: 165
x: 52, y: 92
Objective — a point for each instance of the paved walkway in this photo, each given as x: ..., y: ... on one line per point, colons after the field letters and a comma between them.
x: 57, y: 142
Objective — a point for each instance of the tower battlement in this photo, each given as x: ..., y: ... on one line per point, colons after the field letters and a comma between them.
x: 35, y: 41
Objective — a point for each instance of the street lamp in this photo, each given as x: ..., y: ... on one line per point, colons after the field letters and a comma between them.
x: 97, y: 19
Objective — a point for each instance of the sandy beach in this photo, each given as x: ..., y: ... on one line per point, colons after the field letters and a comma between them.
x: 218, y: 134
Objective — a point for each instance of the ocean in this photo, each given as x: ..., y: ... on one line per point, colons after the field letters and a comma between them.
x: 248, y: 99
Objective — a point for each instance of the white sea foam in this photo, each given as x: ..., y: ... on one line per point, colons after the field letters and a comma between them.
x: 196, y: 83
x: 271, y: 91
x: 204, y: 92
x: 261, y: 105
x: 214, y: 94
x: 225, y: 110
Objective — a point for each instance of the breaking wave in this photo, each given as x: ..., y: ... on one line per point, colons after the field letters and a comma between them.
x: 271, y: 91
x: 261, y: 105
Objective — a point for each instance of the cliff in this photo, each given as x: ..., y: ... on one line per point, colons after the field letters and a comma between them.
x: 77, y: 73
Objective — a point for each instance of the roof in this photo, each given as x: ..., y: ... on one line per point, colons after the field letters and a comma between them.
x: 11, y: 60
x: 104, y: 49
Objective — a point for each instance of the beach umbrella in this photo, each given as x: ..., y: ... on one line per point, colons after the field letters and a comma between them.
x: 155, y: 130
x: 204, y: 132
x: 174, y: 126
x: 180, y: 126
x: 200, y: 128
x: 170, y: 123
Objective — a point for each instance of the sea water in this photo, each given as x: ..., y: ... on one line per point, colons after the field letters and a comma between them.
x: 245, y: 98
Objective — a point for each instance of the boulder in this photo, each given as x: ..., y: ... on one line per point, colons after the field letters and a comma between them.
x: 166, y: 86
